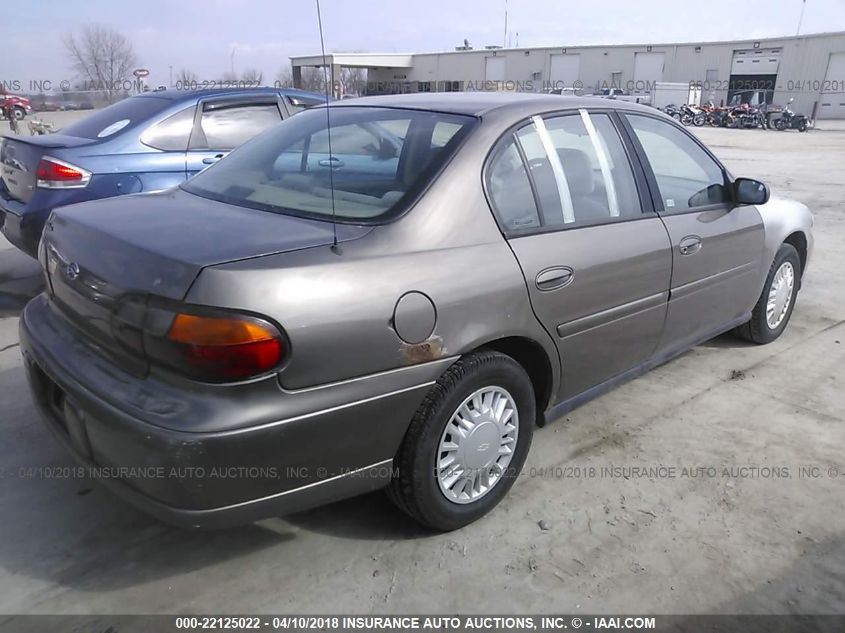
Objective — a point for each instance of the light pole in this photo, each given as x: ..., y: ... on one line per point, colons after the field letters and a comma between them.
x: 170, y: 85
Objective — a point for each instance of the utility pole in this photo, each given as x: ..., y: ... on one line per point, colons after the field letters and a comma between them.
x: 801, y: 17
x: 170, y: 85
x: 505, y: 38
x: 233, y: 61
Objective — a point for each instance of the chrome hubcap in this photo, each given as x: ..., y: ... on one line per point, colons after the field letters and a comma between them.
x: 477, y: 445
x: 780, y: 295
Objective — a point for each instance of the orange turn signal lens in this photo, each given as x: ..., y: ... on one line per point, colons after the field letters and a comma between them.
x: 223, y: 348
x: 199, y: 330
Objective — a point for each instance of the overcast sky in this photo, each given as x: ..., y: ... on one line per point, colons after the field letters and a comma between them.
x: 201, y: 34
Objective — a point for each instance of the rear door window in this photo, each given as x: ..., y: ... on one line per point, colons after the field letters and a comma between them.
x: 224, y: 127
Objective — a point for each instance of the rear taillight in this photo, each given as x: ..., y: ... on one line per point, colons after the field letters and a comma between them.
x: 218, y: 347
x: 53, y: 173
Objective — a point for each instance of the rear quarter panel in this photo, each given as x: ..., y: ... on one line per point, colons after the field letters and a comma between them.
x: 337, y: 306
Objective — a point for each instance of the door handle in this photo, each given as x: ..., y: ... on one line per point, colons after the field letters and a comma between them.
x: 554, y: 278
x: 332, y: 161
x: 690, y: 245
x: 211, y: 159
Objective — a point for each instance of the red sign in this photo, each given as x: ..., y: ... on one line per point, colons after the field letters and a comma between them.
x: 140, y: 72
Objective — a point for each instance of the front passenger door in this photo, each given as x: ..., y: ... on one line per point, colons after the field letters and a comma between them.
x: 595, y: 262
x: 717, y: 246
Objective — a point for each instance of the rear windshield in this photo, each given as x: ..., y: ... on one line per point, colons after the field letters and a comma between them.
x: 116, y: 118
x: 380, y: 158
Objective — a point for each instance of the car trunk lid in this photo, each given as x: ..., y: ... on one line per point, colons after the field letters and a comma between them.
x: 106, y: 259
x: 20, y: 156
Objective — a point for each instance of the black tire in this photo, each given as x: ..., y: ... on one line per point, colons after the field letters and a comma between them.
x: 780, y: 125
x: 698, y: 120
x: 757, y: 330
x: 802, y: 126
x: 415, y: 488
x: 19, y: 113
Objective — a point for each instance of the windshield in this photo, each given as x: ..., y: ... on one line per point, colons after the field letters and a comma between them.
x: 380, y: 158
x: 116, y: 117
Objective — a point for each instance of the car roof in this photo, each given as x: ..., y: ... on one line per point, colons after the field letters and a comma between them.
x: 478, y: 103
x: 178, y: 95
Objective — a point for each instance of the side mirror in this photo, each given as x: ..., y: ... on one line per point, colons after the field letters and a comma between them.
x: 748, y: 191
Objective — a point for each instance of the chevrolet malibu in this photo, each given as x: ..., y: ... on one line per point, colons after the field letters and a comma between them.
x: 391, y: 293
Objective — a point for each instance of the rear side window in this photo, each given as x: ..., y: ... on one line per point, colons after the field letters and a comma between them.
x: 172, y: 133
x: 510, y: 190
x: 380, y: 157
x: 117, y: 117
x: 227, y: 127
x: 575, y: 173
x: 686, y: 175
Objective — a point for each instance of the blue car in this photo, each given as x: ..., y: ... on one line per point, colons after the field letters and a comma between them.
x: 145, y: 143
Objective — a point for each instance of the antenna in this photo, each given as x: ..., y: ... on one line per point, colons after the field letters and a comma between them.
x: 328, y: 125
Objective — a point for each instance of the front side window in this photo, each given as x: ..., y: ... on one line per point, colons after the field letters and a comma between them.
x: 299, y: 103
x: 226, y: 127
x: 687, y: 177
x: 379, y: 158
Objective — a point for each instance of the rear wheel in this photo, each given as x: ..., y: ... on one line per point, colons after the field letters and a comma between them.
x: 802, y: 125
x: 466, y: 443
x: 19, y: 113
x: 774, y: 307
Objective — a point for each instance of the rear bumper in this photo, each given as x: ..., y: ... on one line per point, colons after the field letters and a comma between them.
x: 226, y: 477
x: 21, y: 226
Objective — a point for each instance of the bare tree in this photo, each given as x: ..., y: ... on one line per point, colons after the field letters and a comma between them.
x: 284, y: 78
x: 313, y: 79
x: 353, y: 80
x: 252, y: 76
x: 186, y: 78
x: 104, y: 58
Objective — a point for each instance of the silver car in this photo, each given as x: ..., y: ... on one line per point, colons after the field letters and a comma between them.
x: 391, y: 293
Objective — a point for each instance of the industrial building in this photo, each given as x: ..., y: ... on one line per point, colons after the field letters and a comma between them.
x: 809, y: 68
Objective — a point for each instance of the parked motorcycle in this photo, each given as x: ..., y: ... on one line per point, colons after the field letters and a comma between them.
x: 692, y: 115
x: 788, y: 120
x: 746, y: 116
x: 673, y: 111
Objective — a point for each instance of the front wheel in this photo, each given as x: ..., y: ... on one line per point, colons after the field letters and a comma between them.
x: 780, y: 125
x: 466, y: 443
x: 699, y: 119
x: 774, y: 307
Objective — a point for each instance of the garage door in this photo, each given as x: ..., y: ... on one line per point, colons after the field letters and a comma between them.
x: 494, y: 69
x: 832, y: 102
x: 648, y: 69
x: 564, y: 70
x: 760, y: 61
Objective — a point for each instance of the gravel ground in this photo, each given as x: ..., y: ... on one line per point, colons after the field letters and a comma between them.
x: 729, y: 524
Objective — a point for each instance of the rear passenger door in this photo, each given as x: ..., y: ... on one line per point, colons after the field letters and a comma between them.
x: 222, y: 124
x: 595, y: 257
x: 717, y: 246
